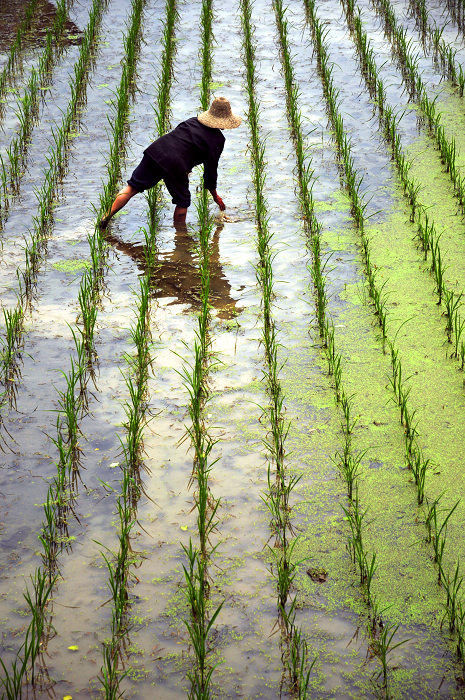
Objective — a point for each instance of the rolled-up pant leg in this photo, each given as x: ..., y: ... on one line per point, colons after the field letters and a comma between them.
x: 178, y: 187
x: 146, y: 175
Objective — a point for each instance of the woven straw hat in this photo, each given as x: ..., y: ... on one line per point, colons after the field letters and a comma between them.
x: 219, y: 115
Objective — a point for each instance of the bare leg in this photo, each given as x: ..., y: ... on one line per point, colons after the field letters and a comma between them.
x: 122, y: 198
x: 179, y: 216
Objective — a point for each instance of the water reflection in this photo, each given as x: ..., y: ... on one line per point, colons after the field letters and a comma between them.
x: 12, y: 13
x: 177, y: 272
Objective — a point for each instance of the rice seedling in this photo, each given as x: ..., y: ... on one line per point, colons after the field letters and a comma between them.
x: 280, y: 485
x: 385, y: 646
x: 12, y: 342
x: 22, y: 668
x: 437, y: 530
x: 162, y: 106
x: 70, y: 406
x: 201, y: 622
x: 118, y: 565
x: 11, y: 68
x: 452, y: 585
x: 42, y: 221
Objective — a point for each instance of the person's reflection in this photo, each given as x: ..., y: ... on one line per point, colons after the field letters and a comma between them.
x: 177, y: 274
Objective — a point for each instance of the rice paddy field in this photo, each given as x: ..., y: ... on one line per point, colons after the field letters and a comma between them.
x: 231, y: 456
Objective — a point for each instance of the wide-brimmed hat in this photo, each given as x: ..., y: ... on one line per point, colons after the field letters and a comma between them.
x: 219, y: 115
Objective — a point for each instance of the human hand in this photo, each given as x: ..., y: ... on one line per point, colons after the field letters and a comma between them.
x: 218, y: 200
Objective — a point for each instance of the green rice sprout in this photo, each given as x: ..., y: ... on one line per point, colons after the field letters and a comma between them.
x: 277, y: 498
x: 385, y: 646
x: 43, y: 219
x: 437, y: 529
x: 11, y: 70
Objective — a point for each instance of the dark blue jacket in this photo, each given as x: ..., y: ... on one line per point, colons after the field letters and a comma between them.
x: 190, y: 143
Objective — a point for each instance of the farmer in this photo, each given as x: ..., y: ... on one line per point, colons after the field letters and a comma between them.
x: 172, y: 157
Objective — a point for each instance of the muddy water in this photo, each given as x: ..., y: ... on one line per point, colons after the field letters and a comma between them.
x: 12, y: 14
x: 331, y: 613
x: 51, y: 353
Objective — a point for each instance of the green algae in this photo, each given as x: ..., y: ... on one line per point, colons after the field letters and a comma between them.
x: 406, y: 579
x: 72, y: 266
x: 436, y: 383
x: 437, y: 192
x: 417, y: 600
x: 337, y: 201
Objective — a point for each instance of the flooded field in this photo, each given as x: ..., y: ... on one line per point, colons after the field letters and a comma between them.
x: 231, y: 454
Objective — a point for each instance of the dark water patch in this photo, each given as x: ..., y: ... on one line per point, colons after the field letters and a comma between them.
x: 11, y: 15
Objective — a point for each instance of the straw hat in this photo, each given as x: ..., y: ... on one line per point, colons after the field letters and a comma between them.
x: 220, y: 115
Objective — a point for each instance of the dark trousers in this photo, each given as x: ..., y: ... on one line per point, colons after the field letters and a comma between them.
x: 148, y: 173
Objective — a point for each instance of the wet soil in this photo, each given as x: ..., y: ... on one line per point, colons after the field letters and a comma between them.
x: 12, y: 14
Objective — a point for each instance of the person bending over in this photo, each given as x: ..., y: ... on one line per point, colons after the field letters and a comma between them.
x: 171, y: 158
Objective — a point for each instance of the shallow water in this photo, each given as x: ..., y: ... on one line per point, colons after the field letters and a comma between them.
x: 332, y: 615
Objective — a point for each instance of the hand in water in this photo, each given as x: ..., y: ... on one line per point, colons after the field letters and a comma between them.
x: 218, y: 200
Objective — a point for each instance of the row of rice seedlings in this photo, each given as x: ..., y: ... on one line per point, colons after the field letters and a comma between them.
x: 347, y: 459
x: 427, y: 234
x: 119, y: 563
x: 437, y: 528
x: 118, y: 121
x: 408, y: 63
x: 11, y: 68
x: 195, y: 375
x: 27, y: 111
x: 456, y: 9
x: 35, y: 246
x: 54, y: 532
x: 37, y: 601
x: 444, y: 54
x: 413, y: 453
x: 280, y: 485
x: 162, y: 106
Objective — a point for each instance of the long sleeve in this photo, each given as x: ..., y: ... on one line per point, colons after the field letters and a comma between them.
x: 210, y: 173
